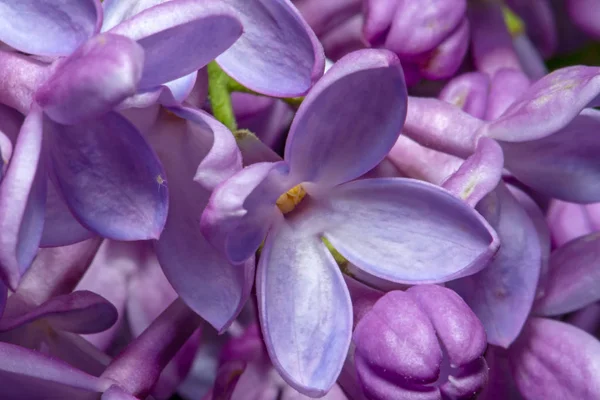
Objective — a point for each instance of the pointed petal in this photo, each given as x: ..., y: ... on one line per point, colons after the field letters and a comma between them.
x: 294, y: 59
x: 479, y: 174
x: 502, y: 294
x: 242, y: 209
x: 333, y: 140
x: 93, y: 80
x: 169, y: 30
x: 78, y: 312
x: 564, y: 165
x: 110, y: 178
x: 47, y: 27
x: 573, y: 278
x: 305, y: 310
x: 419, y: 27
x: 469, y: 92
x: 60, y: 226
x: 549, y: 105
x: 552, y: 359
x: 205, y: 280
x: 28, y: 374
x: 22, y: 198
x: 399, y: 229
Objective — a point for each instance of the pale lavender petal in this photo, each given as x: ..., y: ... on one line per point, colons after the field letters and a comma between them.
x: 169, y: 30
x: 456, y: 326
x: 109, y: 275
x: 110, y: 178
x: 61, y: 228
x: 554, y: 360
x: 116, y: 393
x: 447, y: 57
x: 502, y: 294
x: 47, y: 27
x: 441, y: 126
x: 573, y: 277
x: 282, y: 56
x: 20, y: 76
x: 479, y: 174
x: 205, y: 280
x: 344, y: 39
x: 379, y: 16
x: 585, y: 14
x: 22, y: 198
x: 241, y: 210
x: 182, y: 87
x: 467, y: 381
x: 401, y: 229
x: 564, y: 165
x: 93, y: 80
x: 325, y: 16
x: 506, y: 87
x: 305, y: 309
x: 10, y: 125
x: 117, y: 11
x: 28, y: 374
x: 420, y: 26
x: 568, y: 221
x: 333, y: 140
x: 491, y: 43
x: 78, y: 312
x: 223, y: 159
x: 469, y: 92
x: 548, y: 105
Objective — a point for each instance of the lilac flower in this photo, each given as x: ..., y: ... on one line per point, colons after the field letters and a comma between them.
x: 422, y: 342
x: 568, y: 221
x: 101, y: 166
x: 378, y: 224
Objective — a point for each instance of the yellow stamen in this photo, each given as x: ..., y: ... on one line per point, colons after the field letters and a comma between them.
x: 289, y: 200
x: 513, y: 22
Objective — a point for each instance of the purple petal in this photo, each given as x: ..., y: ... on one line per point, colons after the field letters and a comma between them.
x: 10, y: 125
x: 398, y: 347
x: 93, y: 80
x: 568, y: 221
x: 22, y: 198
x: 79, y: 312
x: 491, y: 43
x: 448, y: 56
x: 333, y: 140
x: 399, y: 229
x: 573, y: 278
x: 294, y: 59
x: 479, y: 174
x: 110, y: 274
x: 501, y: 385
x: 3, y: 297
x: 110, y: 178
x: 466, y: 382
x: 530, y: 58
x: 49, y: 28
x: 116, y: 393
x: 56, y: 271
x: 584, y: 14
x: 379, y: 16
x: 20, y: 76
x: 419, y: 27
x: 469, y: 92
x: 549, y: 105
x: 506, y: 87
x: 441, y: 126
x: 457, y: 327
x: 554, y: 360
x: 242, y: 209
x: 60, y: 226
x: 205, y: 280
x: 168, y: 31
x: 30, y: 375
x: 223, y: 159
x: 564, y: 165
x: 305, y: 309
x: 117, y: 11
x: 181, y: 88
x: 502, y: 294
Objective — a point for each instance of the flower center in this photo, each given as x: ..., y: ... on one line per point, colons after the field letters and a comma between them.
x: 289, y: 200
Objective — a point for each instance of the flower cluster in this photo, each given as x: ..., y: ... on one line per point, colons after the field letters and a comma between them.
x: 293, y: 199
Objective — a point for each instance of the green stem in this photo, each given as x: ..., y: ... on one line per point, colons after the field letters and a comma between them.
x: 220, y: 96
